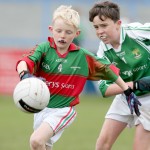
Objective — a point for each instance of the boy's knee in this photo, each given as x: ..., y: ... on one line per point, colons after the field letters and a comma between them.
x: 102, y: 144
x: 36, y: 143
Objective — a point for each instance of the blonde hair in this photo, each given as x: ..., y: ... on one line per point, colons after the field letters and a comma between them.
x: 68, y: 14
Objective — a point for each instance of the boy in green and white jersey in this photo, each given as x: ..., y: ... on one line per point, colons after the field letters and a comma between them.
x: 65, y: 67
x: 132, y: 56
x: 127, y: 47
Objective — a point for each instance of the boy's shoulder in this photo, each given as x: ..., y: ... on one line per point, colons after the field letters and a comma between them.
x: 135, y: 26
x: 85, y: 51
x: 44, y: 44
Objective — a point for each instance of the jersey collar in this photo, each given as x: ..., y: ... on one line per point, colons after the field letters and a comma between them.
x: 72, y: 46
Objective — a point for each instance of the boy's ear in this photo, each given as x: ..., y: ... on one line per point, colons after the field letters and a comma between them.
x: 50, y: 28
x: 119, y: 22
x: 78, y: 33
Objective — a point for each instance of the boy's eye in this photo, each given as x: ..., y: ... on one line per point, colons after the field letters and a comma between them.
x: 69, y: 32
x: 58, y: 31
x: 103, y: 25
x: 100, y: 26
x: 96, y: 27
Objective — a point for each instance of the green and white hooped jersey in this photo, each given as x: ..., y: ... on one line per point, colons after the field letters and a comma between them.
x: 132, y: 57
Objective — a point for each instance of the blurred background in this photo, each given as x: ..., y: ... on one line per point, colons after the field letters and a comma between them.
x: 24, y: 23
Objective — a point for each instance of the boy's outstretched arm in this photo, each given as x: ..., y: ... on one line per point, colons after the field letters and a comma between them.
x: 131, y: 98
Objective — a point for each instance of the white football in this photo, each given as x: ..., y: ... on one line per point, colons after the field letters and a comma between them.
x: 31, y: 95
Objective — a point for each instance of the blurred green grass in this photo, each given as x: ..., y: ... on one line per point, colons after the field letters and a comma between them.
x: 16, y: 126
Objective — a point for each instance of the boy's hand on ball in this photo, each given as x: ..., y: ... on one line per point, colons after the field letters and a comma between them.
x: 25, y: 74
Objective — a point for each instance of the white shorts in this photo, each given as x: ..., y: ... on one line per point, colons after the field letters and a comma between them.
x: 57, y: 118
x: 120, y: 111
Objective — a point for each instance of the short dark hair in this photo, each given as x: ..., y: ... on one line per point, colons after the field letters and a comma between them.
x: 105, y: 9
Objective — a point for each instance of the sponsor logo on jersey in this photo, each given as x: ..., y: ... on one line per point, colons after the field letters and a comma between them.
x: 61, y: 60
x: 128, y: 73
x: 136, y: 53
x: 46, y: 66
x: 75, y: 67
x: 140, y: 68
x: 53, y: 84
x: 60, y: 85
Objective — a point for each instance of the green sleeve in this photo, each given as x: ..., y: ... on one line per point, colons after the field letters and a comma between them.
x: 103, y: 85
x: 38, y: 52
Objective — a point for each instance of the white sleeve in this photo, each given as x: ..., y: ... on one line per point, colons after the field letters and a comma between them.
x: 138, y: 30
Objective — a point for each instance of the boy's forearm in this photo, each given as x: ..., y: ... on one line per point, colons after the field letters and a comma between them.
x: 121, y: 84
x: 115, y: 89
x: 22, y: 66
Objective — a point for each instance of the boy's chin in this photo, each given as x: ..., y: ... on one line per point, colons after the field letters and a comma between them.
x: 106, y: 42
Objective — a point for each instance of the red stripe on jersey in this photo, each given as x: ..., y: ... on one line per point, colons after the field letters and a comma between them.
x: 66, y: 85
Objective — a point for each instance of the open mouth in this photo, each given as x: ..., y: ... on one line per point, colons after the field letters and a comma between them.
x: 62, y: 41
x: 103, y: 37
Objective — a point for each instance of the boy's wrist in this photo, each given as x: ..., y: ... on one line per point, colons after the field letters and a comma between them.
x: 22, y: 73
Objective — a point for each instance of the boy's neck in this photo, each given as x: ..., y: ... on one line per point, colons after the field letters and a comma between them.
x: 62, y: 51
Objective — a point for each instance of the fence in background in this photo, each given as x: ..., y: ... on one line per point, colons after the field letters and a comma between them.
x: 8, y: 75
